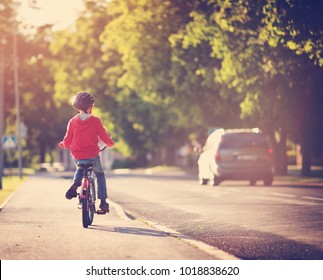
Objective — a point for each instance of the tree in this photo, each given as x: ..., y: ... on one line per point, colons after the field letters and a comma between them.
x: 256, y: 47
x: 35, y: 87
x: 138, y: 37
x: 303, y: 29
x: 160, y: 76
x: 39, y: 111
x: 173, y: 67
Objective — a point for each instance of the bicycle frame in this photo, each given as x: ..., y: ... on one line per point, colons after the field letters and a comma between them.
x: 84, y: 193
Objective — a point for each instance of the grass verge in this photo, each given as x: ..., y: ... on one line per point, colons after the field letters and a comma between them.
x: 9, y: 185
x: 164, y: 168
x: 12, y: 181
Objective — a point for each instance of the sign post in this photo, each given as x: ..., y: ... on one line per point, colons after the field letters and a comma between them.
x: 2, y: 42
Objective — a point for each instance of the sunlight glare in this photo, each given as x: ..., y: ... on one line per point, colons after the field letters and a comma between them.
x: 60, y: 13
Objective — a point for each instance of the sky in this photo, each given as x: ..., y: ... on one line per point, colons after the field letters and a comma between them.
x: 61, y: 13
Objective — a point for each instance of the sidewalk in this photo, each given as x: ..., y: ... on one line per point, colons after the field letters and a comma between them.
x: 294, y: 176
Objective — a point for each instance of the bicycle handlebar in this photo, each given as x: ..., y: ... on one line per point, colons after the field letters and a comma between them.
x: 101, y: 145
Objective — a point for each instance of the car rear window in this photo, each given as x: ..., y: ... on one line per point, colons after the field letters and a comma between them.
x: 243, y: 140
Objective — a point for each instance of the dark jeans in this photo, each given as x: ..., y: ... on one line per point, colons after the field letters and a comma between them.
x: 99, y: 173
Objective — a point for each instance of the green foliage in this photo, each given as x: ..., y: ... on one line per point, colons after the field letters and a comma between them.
x: 39, y: 111
x: 166, y: 66
x: 35, y: 87
x: 164, y: 70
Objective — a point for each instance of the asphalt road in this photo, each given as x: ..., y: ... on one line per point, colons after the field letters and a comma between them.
x: 284, y: 221
x: 165, y: 216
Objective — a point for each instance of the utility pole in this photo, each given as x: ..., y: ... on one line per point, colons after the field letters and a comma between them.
x: 16, y: 87
x: 17, y: 101
x: 2, y: 42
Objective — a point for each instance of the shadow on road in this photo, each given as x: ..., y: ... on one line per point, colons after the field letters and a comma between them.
x: 130, y: 230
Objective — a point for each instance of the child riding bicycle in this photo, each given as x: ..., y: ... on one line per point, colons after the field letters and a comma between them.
x: 82, y: 136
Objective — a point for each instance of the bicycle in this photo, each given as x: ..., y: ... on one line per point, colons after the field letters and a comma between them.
x: 87, y: 194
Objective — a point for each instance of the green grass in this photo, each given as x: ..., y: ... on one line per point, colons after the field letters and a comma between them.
x: 9, y: 185
x: 11, y: 181
x: 161, y: 168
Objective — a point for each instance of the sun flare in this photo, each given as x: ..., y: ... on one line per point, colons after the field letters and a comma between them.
x: 60, y: 13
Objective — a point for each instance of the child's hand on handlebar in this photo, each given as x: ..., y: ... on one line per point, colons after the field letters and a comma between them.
x: 61, y: 144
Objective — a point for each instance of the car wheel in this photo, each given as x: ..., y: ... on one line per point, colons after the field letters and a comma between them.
x: 216, y: 181
x: 268, y: 181
x: 203, y: 181
x: 252, y: 182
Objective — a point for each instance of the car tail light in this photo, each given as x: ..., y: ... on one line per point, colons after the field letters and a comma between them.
x: 270, y: 153
x: 217, y: 156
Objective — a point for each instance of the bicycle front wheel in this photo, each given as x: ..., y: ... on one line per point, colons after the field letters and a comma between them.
x: 88, y: 206
x: 85, y: 213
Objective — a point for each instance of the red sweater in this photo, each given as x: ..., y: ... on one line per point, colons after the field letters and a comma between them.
x: 82, y: 137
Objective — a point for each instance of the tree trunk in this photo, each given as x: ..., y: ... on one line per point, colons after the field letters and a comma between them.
x: 306, y: 160
x: 42, y: 153
x: 281, y: 161
x: 170, y: 155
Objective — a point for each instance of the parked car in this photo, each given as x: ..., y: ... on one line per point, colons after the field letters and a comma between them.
x: 236, y: 154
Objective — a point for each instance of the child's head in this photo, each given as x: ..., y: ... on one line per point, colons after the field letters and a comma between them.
x: 83, y: 101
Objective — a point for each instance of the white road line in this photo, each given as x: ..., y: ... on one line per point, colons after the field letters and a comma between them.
x: 291, y: 201
x: 312, y: 198
x: 289, y: 198
x: 283, y: 194
x: 286, y: 198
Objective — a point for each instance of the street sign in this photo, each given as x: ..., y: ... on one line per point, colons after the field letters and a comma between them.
x: 9, y: 142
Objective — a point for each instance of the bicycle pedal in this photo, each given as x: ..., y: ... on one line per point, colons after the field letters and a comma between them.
x: 101, y: 212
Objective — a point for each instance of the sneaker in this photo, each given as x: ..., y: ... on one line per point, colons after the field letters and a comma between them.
x: 104, y: 206
x: 72, y: 191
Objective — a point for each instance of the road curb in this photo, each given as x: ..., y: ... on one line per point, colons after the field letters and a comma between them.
x: 206, y: 248
x: 4, y: 203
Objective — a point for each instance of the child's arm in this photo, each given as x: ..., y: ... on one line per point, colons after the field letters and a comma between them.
x: 67, y: 141
x: 104, y: 136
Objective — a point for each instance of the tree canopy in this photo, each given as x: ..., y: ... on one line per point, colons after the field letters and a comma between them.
x: 166, y: 71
